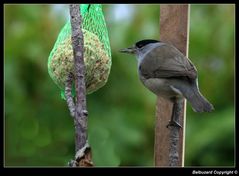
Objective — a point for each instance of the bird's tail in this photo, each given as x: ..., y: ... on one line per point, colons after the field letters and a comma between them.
x: 199, y: 102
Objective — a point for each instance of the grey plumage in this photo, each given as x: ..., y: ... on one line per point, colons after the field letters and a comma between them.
x: 165, y: 61
x: 165, y: 71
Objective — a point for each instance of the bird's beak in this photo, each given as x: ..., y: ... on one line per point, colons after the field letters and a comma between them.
x: 130, y: 50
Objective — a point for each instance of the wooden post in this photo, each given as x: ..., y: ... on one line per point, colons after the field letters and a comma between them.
x: 174, y: 24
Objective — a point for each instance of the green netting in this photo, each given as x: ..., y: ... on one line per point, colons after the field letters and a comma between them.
x: 97, y: 53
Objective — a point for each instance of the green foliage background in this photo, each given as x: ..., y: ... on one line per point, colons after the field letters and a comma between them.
x: 38, y: 128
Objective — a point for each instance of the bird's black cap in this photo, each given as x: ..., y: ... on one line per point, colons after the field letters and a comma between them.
x: 142, y: 43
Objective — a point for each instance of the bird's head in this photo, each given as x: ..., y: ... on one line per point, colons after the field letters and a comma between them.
x: 139, y: 46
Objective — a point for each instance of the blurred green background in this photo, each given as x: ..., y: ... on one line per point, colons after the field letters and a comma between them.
x: 38, y: 128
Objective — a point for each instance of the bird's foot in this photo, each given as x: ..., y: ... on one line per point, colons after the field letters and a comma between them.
x: 173, y: 123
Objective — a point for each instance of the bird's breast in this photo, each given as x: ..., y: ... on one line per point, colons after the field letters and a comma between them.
x: 159, y: 86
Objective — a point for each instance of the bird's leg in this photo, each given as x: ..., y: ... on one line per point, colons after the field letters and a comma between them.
x: 175, y: 114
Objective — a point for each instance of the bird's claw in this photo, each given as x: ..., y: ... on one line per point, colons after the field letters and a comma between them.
x: 173, y: 123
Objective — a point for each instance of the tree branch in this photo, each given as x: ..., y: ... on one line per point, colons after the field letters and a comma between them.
x: 80, y: 112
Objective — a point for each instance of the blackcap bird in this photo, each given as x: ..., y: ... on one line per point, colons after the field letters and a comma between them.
x: 165, y: 71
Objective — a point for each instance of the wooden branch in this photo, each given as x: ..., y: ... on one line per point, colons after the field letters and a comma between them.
x: 169, y: 144
x: 80, y: 120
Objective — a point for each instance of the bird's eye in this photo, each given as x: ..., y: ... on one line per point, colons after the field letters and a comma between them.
x: 139, y: 45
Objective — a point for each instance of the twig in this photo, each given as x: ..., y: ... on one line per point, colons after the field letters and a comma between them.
x: 69, y: 98
x: 81, y: 114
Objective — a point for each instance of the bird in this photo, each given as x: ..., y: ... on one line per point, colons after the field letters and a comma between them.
x: 168, y: 73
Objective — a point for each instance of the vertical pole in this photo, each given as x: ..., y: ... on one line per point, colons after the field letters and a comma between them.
x: 174, y: 29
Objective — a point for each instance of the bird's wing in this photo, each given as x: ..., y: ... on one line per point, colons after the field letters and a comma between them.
x: 165, y: 62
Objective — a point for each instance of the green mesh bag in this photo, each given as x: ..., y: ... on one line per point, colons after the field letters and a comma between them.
x: 97, y: 53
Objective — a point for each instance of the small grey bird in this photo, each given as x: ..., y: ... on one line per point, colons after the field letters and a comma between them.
x: 165, y: 71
